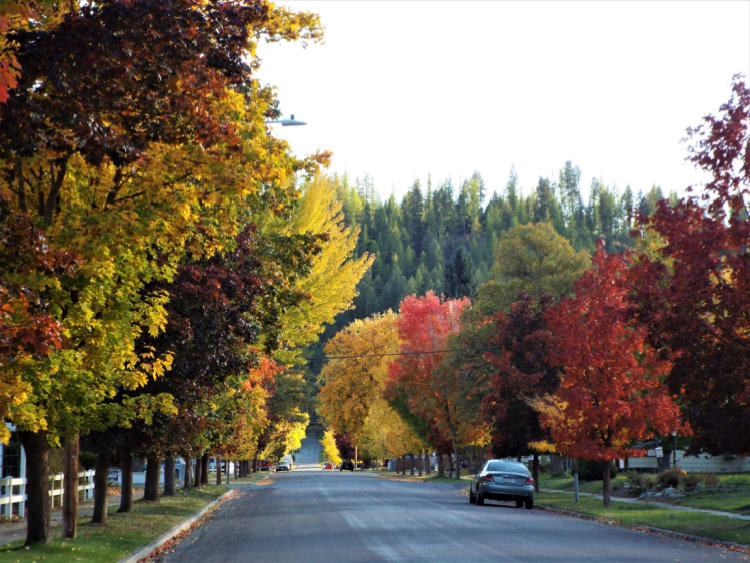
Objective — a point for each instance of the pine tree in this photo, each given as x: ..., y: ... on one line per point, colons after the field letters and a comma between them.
x: 459, y: 276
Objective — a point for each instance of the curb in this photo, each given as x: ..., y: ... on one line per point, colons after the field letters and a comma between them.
x: 643, y: 528
x: 171, y: 533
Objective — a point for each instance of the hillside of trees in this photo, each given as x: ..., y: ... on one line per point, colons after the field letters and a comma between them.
x: 441, y: 238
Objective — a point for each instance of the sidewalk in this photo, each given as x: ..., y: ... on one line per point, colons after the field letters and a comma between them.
x: 12, y: 531
x: 667, y: 505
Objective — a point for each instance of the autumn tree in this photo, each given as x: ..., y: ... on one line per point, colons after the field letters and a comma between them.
x: 385, y: 434
x: 118, y: 167
x: 694, y: 298
x: 424, y: 325
x: 612, y: 391
x: 218, y: 311
x: 356, y: 374
x: 521, y: 371
x: 330, y: 450
x: 332, y: 279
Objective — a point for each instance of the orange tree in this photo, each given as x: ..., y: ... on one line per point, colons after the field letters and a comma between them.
x: 695, y: 298
x: 612, y: 389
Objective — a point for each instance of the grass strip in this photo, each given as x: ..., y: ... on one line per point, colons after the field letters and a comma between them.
x: 731, y: 495
x: 639, y: 515
x: 432, y: 478
x: 123, y: 534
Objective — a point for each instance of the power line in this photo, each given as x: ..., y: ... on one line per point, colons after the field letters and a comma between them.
x: 324, y: 358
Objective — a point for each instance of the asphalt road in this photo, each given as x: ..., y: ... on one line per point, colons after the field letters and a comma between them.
x: 311, y: 515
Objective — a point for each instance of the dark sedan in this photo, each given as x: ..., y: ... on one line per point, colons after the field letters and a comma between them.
x: 503, y: 480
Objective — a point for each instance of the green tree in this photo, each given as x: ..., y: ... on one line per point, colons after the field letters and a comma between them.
x: 532, y: 258
x: 459, y: 275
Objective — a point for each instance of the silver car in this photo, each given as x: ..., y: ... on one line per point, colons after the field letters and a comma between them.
x: 503, y: 480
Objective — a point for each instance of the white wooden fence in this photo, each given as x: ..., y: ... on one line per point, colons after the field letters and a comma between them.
x: 15, y: 492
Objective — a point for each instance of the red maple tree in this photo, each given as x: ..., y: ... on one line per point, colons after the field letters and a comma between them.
x: 424, y: 325
x: 612, y: 391
x: 696, y: 301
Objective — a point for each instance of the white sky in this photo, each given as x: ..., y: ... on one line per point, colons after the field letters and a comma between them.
x: 400, y: 90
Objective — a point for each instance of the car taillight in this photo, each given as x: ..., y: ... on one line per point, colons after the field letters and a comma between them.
x: 488, y: 477
x: 530, y: 481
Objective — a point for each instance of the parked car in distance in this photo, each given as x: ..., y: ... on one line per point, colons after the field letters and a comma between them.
x: 499, y: 479
x: 283, y: 466
x: 348, y: 465
x: 114, y: 476
x: 328, y: 465
x: 264, y: 465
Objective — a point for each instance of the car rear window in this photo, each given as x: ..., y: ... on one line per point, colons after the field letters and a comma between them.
x: 507, y: 466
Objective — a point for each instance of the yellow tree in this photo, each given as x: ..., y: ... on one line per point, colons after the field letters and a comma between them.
x: 330, y: 449
x: 330, y: 285
x: 333, y: 277
x: 355, y: 375
x: 385, y: 434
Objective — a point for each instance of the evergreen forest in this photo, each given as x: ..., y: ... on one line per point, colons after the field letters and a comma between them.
x: 442, y: 238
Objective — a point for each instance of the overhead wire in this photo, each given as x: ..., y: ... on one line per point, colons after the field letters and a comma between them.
x: 324, y: 358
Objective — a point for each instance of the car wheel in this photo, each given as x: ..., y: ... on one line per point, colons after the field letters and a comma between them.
x: 529, y: 504
x: 480, y: 498
x: 472, y: 498
x: 519, y: 503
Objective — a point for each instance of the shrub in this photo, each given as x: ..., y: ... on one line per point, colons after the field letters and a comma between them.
x: 593, y: 470
x: 650, y: 480
x: 690, y: 479
x: 735, y: 479
x: 634, y: 478
x: 670, y: 477
x: 639, y: 480
x: 709, y: 479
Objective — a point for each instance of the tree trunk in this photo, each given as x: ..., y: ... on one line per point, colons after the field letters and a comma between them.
x: 255, y: 462
x: 204, y: 469
x: 450, y: 468
x: 421, y: 461
x: 403, y: 465
x: 427, y: 467
x: 126, y: 490
x: 70, y: 487
x: 151, y: 488
x: 188, y: 472
x: 101, y: 486
x: 169, y: 476
x: 441, y: 469
x: 606, y: 484
x: 37, y: 488
x: 557, y: 465
x: 198, y: 472
x: 536, y: 472
x: 218, y: 470
x: 411, y: 458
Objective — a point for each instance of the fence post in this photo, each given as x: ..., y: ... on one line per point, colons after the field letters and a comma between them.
x: 7, y: 509
x: 22, y: 490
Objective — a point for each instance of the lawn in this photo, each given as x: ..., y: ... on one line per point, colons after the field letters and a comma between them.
x: 726, y: 492
x: 718, y: 499
x: 636, y: 515
x: 123, y: 534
